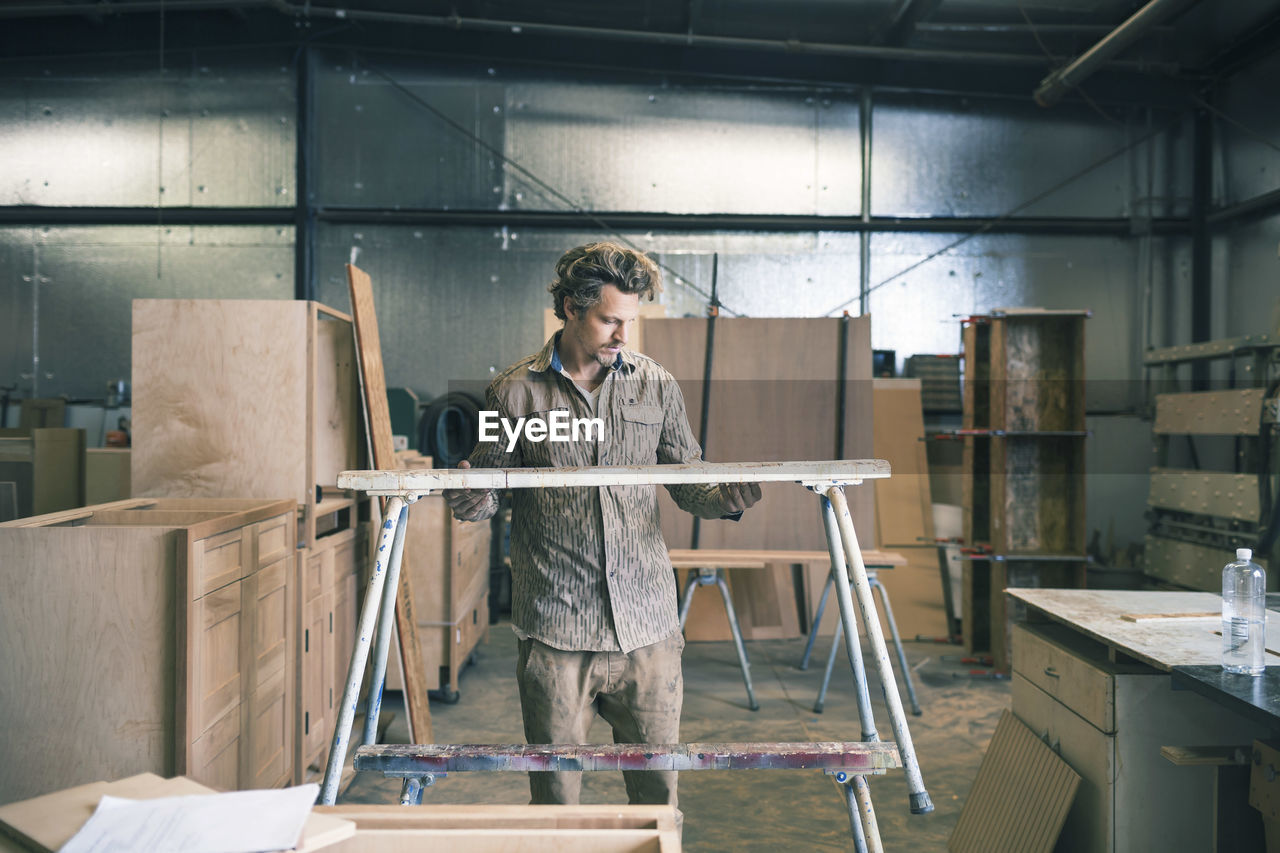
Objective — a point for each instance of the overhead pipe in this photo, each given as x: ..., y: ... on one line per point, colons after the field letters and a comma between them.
x: 455, y: 22
x: 1053, y: 87
x: 42, y: 10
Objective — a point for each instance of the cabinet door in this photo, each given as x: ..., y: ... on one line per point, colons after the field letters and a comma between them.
x: 269, y: 710
x: 317, y: 677
x: 216, y: 673
x: 347, y: 559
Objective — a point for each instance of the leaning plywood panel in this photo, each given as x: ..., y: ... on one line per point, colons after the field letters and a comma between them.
x: 98, y: 707
x: 1020, y: 797
x: 335, y: 403
x: 767, y: 406
x: 220, y: 398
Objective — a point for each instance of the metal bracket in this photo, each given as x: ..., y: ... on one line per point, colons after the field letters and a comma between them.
x: 845, y: 776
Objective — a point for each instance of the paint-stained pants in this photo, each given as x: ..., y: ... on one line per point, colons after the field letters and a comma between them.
x: 638, y: 694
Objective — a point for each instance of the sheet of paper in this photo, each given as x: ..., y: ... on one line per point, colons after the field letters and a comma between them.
x: 245, y: 821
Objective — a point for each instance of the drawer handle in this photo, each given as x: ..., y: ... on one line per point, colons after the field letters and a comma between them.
x: 1051, y: 672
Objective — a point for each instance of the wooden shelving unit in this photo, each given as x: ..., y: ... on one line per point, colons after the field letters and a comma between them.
x: 1024, y: 445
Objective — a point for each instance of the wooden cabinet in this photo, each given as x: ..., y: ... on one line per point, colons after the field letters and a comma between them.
x: 1108, y: 721
x: 328, y: 596
x: 148, y: 635
x: 245, y: 398
x: 449, y: 562
x: 259, y: 399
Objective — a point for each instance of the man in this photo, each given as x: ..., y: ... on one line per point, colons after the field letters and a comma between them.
x: 593, y: 597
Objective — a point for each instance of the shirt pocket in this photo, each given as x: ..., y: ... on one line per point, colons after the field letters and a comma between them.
x: 546, y: 453
x: 641, y: 430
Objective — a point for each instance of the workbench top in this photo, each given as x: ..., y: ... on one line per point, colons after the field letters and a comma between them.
x: 1162, y: 629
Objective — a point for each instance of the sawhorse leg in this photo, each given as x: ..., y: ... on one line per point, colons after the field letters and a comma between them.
x: 817, y: 620
x: 379, y: 599
x: 835, y: 504
x: 835, y: 644
x: 897, y: 643
x: 707, y: 577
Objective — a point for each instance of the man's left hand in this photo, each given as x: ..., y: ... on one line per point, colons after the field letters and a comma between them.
x: 739, y: 496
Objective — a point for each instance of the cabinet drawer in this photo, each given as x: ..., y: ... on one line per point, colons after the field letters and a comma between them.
x: 345, y: 556
x: 317, y: 574
x: 218, y: 561
x: 1086, y: 687
x: 273, y: 540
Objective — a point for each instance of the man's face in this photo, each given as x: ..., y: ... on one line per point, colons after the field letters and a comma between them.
x: 602, y: 330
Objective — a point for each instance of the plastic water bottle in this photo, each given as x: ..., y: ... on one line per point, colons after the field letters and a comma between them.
x: 1244, y: 614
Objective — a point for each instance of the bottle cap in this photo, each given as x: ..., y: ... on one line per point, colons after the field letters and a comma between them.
x: 1245, y: 554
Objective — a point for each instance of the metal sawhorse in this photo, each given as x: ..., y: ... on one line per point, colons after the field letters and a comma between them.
x: 707, y: 570
x: 875, y: 584
x: 420, y: 764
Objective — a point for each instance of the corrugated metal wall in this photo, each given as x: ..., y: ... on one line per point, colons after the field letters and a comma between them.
x: 456, y: 302
x: 1247, y: 253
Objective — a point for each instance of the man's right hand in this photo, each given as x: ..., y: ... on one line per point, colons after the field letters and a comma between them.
x: 467, y: 504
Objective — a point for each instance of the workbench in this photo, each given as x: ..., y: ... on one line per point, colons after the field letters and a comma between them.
x: 1092, y: 676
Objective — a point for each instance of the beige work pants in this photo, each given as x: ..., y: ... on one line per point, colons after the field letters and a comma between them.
x: 638, y: 694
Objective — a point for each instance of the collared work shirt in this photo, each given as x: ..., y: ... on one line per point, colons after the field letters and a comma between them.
x: 589, y: 567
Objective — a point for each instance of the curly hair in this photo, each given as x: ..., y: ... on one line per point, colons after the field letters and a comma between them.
x: 582, y: 271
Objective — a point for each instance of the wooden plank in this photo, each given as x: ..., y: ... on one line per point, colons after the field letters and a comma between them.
x: 1230, y: 412
x: 418, y: 482
x: 1020, y: 797
x: 511, y: 841
x: 504, y: 816
x: 374, y: 388
x: 745, y: 557
x: 1207, y: 756
x: 1219, y: 493
x: 904, y: 507
x: 1143, y: 617
x: 1193, y: 566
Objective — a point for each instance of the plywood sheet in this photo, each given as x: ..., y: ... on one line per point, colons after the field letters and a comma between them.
x: 1161, y: 642
x: 774, y: 398
x: 336, y: 405
x: 106, y: 475
x: 1020, y: 797
x: 193, y: 444
x: 374, y: 387
x: 904, y: 514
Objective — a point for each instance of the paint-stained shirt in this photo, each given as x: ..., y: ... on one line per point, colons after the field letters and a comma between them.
x: 589, y: 567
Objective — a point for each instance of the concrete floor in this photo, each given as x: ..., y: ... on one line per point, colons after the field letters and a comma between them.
x: 761, y: 810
